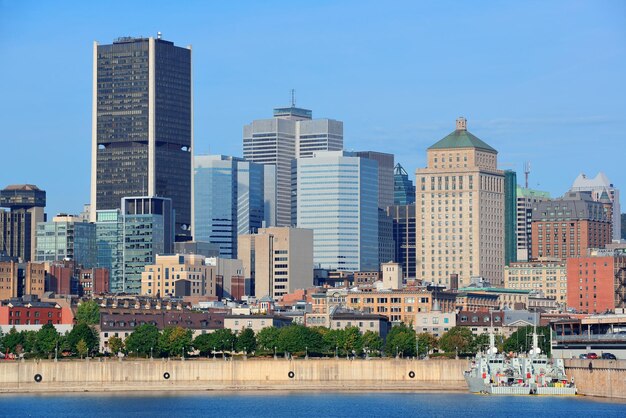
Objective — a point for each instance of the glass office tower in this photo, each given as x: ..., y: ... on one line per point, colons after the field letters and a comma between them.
x: 338, y: 199
x: 67, y: 238
x: 142, y: 117
x: 229, y: 200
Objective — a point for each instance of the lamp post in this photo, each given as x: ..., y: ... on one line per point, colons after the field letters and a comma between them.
x: 183, y: 354
x: 275, y: 356
x: 214, y: 351
x: 336, y: 351
x: 151, y: 348
x: 306, y: 351
x: 56, y: 350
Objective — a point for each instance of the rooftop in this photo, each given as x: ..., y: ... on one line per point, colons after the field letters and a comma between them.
x: 462, y: 138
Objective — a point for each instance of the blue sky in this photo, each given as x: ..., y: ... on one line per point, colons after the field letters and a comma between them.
x: 539, y: 81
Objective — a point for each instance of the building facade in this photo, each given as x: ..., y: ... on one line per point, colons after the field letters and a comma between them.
x: 291, y: 133
x: 403, y: 188
x: 596, y: 283
x: 338, y: 199
x: 460, y: 210
x: 385, y: 176
x: 569, y: 226
x: 67, y: 237
x: 18, y: 225
x: 178, y: 275
x: 278, y: 260
x: 404, y: 236
x: 526, y: 200
x: 510, y: 217
x: 142, y: 125
x: 602, y: 190
x: 229, y: 200
x: 110, y: 246
x: 548, y: 277
x: 20, y: 279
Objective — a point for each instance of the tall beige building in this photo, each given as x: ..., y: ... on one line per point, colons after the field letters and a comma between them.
x: 178, y: 275
x: 280, y: 260
x: 460, y: 211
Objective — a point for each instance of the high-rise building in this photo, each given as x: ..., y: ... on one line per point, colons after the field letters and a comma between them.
x: 279, y: 260
x: 142, y: 136
x: 386, y: 243
x: 385, y: 176
x: 338, y: 198
x: 460, y: 211
x: 18, y: 226
x: 67, y: 237
x: 526, y: 200
x: 510, y: 217
x: 128, y: 239
x: 19, y: 279
x: 110, y: 245
x: 229, y: 200
x: 403, y: 188
x: 568, y: 226
x: 404, y: 236
x: 291, y: 133
x: 602, y: 190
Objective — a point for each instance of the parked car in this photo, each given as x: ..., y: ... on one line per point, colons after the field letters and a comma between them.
x: 609, y: 356
x: 582, y: 356
x: 592, y: 356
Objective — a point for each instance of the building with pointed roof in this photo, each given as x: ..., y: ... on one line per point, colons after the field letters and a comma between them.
x: 602, y: 190
x: 403, y: 188
x: 460, y: 211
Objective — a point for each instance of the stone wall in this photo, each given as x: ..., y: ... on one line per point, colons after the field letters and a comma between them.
x: 257, y: 374
x: 605, y: 378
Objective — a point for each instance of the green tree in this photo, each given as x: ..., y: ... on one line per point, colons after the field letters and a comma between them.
x: 521, y: 340
x: 224, y: 339
x: 88, y: 312
x: 84, y: 332
x: 30, y: 340
x: 350, y: 340
x: 12, y: 339
x: 143, y: 339
x: 82, y: 348
x: 246, y: 340
x: 372, y: 342
x: 116, y: 345
x: 298, y: 339
x: 332, y: 341
x: 204, y: 343
x: 457, y: 340
x: 174, y: 341
x: 426, y: 342
x: 267, y: 339
x: 47, y: 340
x: 401, y: 341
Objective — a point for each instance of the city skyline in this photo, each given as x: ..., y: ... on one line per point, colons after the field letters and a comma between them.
x: 529, y: 84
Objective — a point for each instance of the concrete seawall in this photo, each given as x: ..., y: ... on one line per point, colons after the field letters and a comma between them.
x: 605, y: 378
x: 257, y: 374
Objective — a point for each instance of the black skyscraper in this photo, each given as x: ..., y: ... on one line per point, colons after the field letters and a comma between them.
x: 142, y: 125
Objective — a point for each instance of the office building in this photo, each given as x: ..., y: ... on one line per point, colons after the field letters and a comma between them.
x: 19, y: 279
x: 526, y: 200
x: 178, y: 275
x: 291, y: 133
x: 67, y: 237
x: 596, y: 281
x: 142, y: 136
x: 338, y: 199
x: 568, y: 226
x: 403, y: 188
x: 548, y: 277
x: 460, y: 210
x: 18, y: 225
x: 110, y: 246
x: 279, y: 260
x: 510, y: 217
x: 229, y: 200
x: 385, y: 176
x: 602, y: 190
x: 404, y: 236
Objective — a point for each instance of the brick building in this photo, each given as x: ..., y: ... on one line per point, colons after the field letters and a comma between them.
x: 19, y: 279
x: 569, y: 226
x: 30, y: 313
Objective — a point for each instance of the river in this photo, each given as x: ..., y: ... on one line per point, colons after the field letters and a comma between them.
x: 286, y: 404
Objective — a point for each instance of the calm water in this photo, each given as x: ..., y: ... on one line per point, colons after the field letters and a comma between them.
x: 406, y: 405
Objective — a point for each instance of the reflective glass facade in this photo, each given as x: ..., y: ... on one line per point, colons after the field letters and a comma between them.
x: 403, y: 188
x: 229, y: 198
x: 404, y: 236
x: 109, y: 241
x: 143, y: 124
x: 338, y: 199
x: 68, y: 239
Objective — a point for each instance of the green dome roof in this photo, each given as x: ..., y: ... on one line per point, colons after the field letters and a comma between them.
x: 461, y: 138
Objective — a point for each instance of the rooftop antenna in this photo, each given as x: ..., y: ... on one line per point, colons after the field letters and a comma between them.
x: 293, y: 97
x: 526, y: 171
x: 159, y: 34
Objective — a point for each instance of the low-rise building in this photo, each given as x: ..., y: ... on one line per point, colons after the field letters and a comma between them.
x: 480, y: 322
x: 19, y: 279
x: 178, y: 275
x: 29, y: 313
x: 364, y: 322
x: 435, y: 322
x: 255, y: 322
